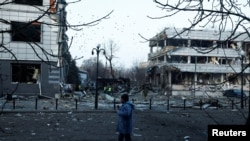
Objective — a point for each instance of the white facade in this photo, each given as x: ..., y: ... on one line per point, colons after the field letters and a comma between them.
x: 198, y: 57
x: 29, y: 47
x: 23, y: 50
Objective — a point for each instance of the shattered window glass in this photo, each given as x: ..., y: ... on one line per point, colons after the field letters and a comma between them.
x: 25, y: 73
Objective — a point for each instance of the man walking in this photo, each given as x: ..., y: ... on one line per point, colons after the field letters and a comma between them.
x: 125, y: 122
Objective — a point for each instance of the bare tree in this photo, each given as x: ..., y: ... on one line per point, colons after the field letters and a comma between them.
x: 89, y: 65
x: 221, y: 15
x: 137, y: 73
x: 52, y: 16
x: 50, y: 11
x: 111, y: 48
x: 29, y: 31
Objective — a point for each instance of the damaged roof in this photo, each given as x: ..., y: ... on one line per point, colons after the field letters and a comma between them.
x: 178, y: 33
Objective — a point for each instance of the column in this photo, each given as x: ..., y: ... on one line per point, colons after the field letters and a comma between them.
x: 189, y: 43
x: 189, y: 59
x: 239, y: 45
x: 165, y: 42
x: 195, y: 78
x: 214, y: 44
x: 221, y: 77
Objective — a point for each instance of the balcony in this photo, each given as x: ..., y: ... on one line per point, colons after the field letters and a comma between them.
x: 208, y: 68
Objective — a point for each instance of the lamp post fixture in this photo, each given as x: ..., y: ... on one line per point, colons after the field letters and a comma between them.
x: 98, y: 50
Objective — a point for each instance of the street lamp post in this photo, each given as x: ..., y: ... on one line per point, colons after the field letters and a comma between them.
x: 98, y: 50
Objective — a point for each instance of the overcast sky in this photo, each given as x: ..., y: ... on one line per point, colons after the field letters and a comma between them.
x: 127, y: 21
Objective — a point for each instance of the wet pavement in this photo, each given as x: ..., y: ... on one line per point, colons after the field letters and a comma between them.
x: 75, y: 119
x: 99, y: 125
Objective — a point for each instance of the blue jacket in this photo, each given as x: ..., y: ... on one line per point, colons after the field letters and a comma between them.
x: 125, y: 121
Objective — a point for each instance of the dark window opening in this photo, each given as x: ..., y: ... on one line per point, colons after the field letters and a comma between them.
x: 27, y: 32
x: 194, y: 60
x: 176, y: 77
x: 232, y: 78
x: 201, y: 43
x: 178, y: 59
x: 177, y: 42
x: 222, y: 44
x: 26, y: 73
x: 161, y: 58
x: 226, y: 61
x: 232, y: 44
x: 246, y: 46
x: 201, y: 60
x: 161, y: 43
x: 29, y: 2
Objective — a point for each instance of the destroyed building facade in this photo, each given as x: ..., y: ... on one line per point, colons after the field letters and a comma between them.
x: 30, y: 43
x: 189, y: 59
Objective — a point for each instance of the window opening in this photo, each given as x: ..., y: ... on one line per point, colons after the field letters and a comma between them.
x: 26, y: 73
x: 201, y: 43
x: 27, y: 32
x: 29, y: 2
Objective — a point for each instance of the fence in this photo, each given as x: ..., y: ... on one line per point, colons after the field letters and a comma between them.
x: 69, y: 104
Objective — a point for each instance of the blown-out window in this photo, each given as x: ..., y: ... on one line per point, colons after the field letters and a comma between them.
x: 29, y: 2
x: 25, y: 73
x: 201, y: 43
x: 27, y: 32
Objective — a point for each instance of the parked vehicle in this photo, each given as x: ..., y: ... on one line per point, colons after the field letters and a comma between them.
x: 234, y: 93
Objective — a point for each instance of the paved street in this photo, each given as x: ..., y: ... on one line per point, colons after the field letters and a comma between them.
x: 71, y: 120
x: 99, y: 125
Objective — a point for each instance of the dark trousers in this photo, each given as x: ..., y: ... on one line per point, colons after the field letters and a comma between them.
x: 127, y: 137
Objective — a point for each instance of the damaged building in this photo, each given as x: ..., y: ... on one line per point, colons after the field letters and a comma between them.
x: 30, y: 43
x: 182, y: 59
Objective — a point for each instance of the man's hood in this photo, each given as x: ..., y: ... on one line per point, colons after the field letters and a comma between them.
x: 131, y: 104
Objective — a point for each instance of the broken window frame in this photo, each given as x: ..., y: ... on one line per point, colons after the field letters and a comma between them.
x: 178, y: 59
x: 177, y: 42
x: 201, y: 43
x: 29, y: 73
x: 26, y: 32
x: 29, y: 2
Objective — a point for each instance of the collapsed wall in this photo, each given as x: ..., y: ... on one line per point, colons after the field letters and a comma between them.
x: 198, y: 58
